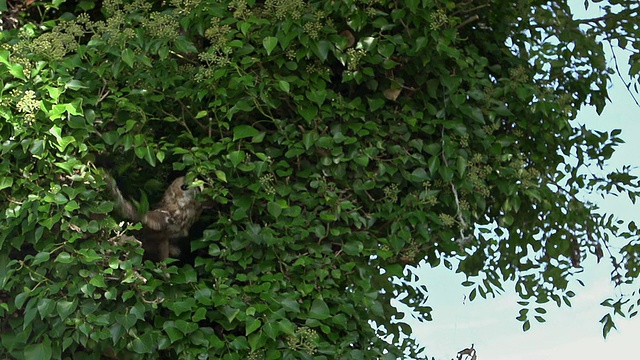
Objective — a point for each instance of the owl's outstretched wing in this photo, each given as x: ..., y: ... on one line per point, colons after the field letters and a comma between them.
x: 156, y: 220
x: 124, y: 206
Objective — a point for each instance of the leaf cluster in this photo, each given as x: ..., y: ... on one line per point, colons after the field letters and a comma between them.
x: 342, y: 142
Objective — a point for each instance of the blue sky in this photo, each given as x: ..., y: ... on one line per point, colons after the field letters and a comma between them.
x: 569, y: 332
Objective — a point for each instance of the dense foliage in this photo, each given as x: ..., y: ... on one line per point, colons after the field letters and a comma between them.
x: 340, y: 141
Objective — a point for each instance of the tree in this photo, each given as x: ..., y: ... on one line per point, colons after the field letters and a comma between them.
x: 340, y: 141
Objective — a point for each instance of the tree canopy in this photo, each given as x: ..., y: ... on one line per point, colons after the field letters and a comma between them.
x: 342, y: 142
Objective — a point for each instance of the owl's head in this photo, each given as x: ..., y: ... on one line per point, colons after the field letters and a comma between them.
x: 180, y: 193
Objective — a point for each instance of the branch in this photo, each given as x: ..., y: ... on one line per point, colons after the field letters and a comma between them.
x: 628, y: 13
x: 463, y: 224
x: 626, y: 84
x: 468, y: 21
x: 592, y: 20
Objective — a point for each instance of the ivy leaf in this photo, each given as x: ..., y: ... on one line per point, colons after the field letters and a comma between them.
x: 143, y: 344
x: 290, y: 305
x: 419, y: 175
x: 269, y: 43
x: 308, y: 112
x: 244, y: 131
x: 319, y: 310
x: 221, y: 175
x: 236, y: 157
x: 17, y: 70
x: 252, y: 325
x: 65, y: 308
x: 45, y: 307
x: 274, y: 209
x: 321, y: 49
x: 284, y: 86
x: 127, y: 57
x: 6, y: 182
x: 75, y: 85
x: 39, y: 351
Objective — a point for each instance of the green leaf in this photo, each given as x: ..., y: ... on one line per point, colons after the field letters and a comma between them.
x: 187, y: 327
x: 5, y: 182
x: 199, y: 315
x: 98, y: 281
x: 71, y: 206
x: 412, y: 5
x: 319, y: 310
x: 434, y: 165
x: 271, y: 329
x: 309, y: 138
x: 4, y: 54
x: 221, y: 175
x: 321, y: 49
x: 230, y: 313
x: 40, y: 258
x: 64, y: 142
x: 269, y: 43
x: 65, y: 308
x: 54, y: 92
x: 36, y: 149
x: 607, y: 325
x: 17, y: 70
x: 290, y: 305
x: 76, y: 85
x: 284, y: 86
x: 173, y: 333
x: 461, y: 165
x: 56, y: 132
x: 126, y: 320
x: 318, y: 96
x: 419, y: 175
x: 236, y: 157
x: 252, y: 325
x: 21, y: 298
x: 143, y: 344
x: 183, y: 45
x: 353, y: 248
x: 41, y: 351
x: 375, y: 104
x: 308, y: 112
x: 287, y: 327
x: 128, y: 56
x: 386, y: 49
x: 362, y: 160
x: 293, y: 152
x: 244, y: 131
x: 274, y: 209
x: 45, y: 307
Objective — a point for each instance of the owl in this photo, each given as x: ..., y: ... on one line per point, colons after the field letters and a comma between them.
x: 164, y: 227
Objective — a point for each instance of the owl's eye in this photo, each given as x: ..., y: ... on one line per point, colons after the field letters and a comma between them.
x: 184, y: 187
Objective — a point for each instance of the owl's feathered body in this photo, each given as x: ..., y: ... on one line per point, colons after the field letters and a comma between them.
x: 166, y: 225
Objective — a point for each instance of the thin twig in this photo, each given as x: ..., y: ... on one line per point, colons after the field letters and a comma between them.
x: 468, y: 21
x: 466, y: 11
x: 463, y: 223
x: 626, y: 84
